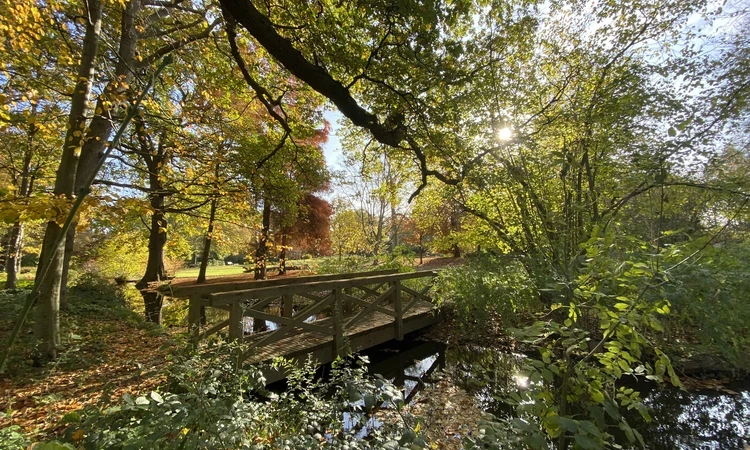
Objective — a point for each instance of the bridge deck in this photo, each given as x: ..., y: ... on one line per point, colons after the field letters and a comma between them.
x: 374, y: 330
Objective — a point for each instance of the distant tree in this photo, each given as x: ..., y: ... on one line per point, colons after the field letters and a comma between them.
x: 311, y: 232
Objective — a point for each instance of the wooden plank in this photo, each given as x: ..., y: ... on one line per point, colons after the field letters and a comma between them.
x: 297, y: 345
x: 287, y: 322
x: 413, y: 302
x: 216, y: 328
x: 263, y: 303
x: 223, y: 298
x: 369, y: 308
x: 234, y: 285
x: 305, y: 313
x: 365, y: 303
x: 236, y: 329
x: 374, y: 291
x: 338, y: 319
x: 416, y: 294
x: 309, y: 296
x: 399, y: 322
x: 378, y: 330
x: 194, y: 318
x: 287, y: 308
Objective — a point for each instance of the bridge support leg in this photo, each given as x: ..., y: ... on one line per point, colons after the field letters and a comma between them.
x: 194, y: 318
x: 236, y: 329
x: 399, y: 309
x: 338, y: 321
x: 287, y: 307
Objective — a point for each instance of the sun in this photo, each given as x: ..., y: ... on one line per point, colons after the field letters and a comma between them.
x: 504, y: 134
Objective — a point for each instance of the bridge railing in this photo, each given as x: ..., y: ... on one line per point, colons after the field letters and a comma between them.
x: 330, y: 308
x: 196, y: 292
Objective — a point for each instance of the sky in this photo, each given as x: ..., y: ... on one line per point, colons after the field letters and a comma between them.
x: 332, y: 149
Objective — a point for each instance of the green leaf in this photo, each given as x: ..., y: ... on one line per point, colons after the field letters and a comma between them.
x: 597, y: 396
x: 569, y: 425
x: 72, y: 417
x: 585, y: 441
x: 157, y: 397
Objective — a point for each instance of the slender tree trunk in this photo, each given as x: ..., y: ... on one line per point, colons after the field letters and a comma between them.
x: 261, y: 253
x: 47, y: 329
x: 207, y: 242
x: 421, y: 250
x: 394, y: 228
x: 13, y: 261
x: 282, y: 255
x: 261, y: 257
x: 15, y: 244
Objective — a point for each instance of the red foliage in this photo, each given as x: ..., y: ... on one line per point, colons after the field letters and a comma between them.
x: 312, y: 231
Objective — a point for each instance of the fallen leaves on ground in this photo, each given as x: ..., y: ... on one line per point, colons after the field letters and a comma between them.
x: 128, y: 359
x: 446, y: 412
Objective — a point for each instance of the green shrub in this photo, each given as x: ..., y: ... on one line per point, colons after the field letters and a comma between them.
x: 483, y: 285
x: 709, y: 299
x: 13, y: 438
x: 211, y: 403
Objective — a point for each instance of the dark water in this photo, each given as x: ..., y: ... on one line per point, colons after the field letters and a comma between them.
x: 681, y: 420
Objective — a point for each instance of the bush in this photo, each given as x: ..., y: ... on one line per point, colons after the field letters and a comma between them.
x: 13, y: 438
x: 211, y: 403
x: 709, y: 298
x: 484, y: 285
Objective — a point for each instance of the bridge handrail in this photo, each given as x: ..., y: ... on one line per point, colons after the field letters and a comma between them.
x: 228, y: 298
x: 199, y: 290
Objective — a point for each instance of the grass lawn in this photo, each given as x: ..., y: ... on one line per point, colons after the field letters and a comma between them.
x: 211, y: 271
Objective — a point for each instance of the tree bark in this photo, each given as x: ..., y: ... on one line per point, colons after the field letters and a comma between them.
x: 282, y: 255
x: 102, y: 123
x: 13, y: 261
x: 47, y: 329
x: 154, y: 157
x: 15, y: 243
x: 261, y: 253
x: 207, y: 242
x: 155, y: 271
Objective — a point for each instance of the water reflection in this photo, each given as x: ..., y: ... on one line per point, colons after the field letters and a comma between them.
x: 696, y: 420
x: 249, y: 325
x: 681, y: 420
x: 408, y: 365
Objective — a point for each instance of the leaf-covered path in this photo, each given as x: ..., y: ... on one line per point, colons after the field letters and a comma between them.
x: 129, y: 359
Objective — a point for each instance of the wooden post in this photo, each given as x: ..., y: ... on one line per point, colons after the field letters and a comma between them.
x: 399, y: 308
x: 287, y: 307
x: 348, y: 305
x: 236, y: 328
x: 338, y: 323
x: 194, y: 318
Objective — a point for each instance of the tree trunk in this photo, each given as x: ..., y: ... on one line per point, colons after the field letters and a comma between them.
x: 394, y: 228
x: 48, y: 304
x: 261, y: 253
x: 207, y: 242
x: 421, y: 249
x: 69, y: 246
x: 282, y: 255
x: 456, y: 250
x: 13, y: 261
x: 15, y: 244
x: 102, y: 124
x: 155, y: 271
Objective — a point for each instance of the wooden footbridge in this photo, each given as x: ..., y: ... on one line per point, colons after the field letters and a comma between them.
x: 323, y: 316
